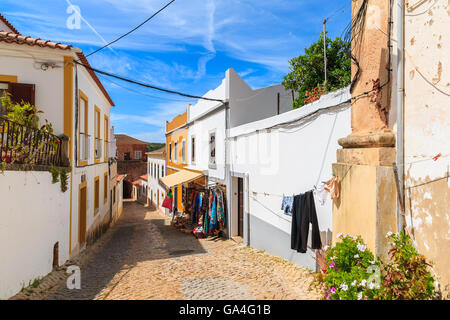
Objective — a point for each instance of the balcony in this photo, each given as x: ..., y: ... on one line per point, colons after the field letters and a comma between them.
x: 84, y: 146
x: 98, y: 148
x: 20, y: 144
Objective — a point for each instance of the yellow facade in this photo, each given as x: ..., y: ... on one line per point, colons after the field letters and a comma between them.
x: 176, y: 136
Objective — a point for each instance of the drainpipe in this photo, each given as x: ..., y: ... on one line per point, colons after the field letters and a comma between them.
x: 227, y: 169
x: 400, y: 108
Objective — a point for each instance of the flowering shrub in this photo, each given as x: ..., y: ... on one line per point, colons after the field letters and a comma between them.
x: 349, y: 271
x: 407, y: 276
x: 352, y: 271
x: 314, y: 95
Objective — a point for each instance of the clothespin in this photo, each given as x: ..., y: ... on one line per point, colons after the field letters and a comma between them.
x: 436, y: 156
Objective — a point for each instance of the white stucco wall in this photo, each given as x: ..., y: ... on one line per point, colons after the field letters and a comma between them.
x: 289, y: 161
x: 25, y: 63
x: 154, y: 188
x: 249, y: 105
x: 201, y: 122
x: 96, y: 98
x: 34, y: 215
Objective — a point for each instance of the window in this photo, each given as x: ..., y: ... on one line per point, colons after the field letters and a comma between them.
x: 183, y: 151
x: 162, y: 171
x: 175, y: 152
x: 19, y: 91
x: 96, y: 195
x: 83, y: 136
x: 193, y: 149
x: 114, y: 195
x: 105, y: 188
x: 98, y: 142
x: 150, y: 170
x: 157, y: 173
x: 3, y: 91
x: 126, y: 156
x: 106, y: 138
x: 170, y: 151
x: 212, y: 149
x: 138, y: 155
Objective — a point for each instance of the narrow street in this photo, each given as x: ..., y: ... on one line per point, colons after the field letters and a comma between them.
x: 143, y: 257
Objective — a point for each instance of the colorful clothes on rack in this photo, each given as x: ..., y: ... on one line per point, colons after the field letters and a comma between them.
x: 220, y: 209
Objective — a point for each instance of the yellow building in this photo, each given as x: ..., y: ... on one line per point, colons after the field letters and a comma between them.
x: 176, y: 152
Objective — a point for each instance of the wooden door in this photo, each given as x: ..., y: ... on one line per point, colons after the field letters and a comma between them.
x: 82, y: 206
x: 240, y: 207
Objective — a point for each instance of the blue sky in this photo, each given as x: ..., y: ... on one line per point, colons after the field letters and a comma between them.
x: 187, y: 47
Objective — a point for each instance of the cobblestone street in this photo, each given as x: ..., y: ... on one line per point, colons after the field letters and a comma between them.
x: 143, y: 257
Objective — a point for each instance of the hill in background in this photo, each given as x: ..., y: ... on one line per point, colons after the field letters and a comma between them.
x: 152, y: 146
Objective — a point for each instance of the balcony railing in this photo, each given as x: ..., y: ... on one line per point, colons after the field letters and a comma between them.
x: 84, y: 146
x: 20, y: 144
x: 107, y: 149
x: 98, y: 148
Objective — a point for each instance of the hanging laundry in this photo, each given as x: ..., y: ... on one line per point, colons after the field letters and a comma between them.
x: 296, y: 222
x: 220, y: 209
x: 332, y: 187
x: 305, y: 214
x: 287, y: 205
x: 167, y: 203
x: 322, y: 193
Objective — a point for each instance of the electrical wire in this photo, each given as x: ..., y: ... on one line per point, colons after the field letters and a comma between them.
x: 146, y: 84
x: 134, y: 29
x: 142, y: 93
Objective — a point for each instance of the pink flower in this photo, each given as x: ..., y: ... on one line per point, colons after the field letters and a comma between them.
x: 333, y: 290
x: 332, y: 265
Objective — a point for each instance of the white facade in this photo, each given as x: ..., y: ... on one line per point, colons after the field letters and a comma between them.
x: 156, y: 169
x: 286, y: 161
x: 32, y: 222
x: 58, y: 212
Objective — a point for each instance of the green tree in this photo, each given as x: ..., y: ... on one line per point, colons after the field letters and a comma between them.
x: 307, y: 71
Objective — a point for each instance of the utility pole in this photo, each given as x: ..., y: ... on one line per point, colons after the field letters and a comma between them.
x: 325, y: 54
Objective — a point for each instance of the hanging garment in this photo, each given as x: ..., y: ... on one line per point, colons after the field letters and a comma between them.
x: 309, y: 215
x: 167, y: 203
x: 220, y: 210
x: 287, y: 205
x: 332, y: 186
x: 212, y: 222
x: 322, y: 193
x: 296, y: 222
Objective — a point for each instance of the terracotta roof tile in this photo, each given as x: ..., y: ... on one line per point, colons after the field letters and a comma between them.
x: 123, y: 138
x: 8, y: 24
x: 10, y: 37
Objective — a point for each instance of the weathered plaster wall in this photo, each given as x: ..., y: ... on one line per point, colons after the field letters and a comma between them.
x: 29, y: 229
x: 427, y: 131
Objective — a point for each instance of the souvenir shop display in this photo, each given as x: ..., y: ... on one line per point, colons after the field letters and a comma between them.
x: 204, y: 211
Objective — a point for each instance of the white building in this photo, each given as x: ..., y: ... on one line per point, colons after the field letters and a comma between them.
x: 271, y: 150
x: 233, y: 103
x: 51, y: 226
x: 286, y: 154
x: 156, y: 168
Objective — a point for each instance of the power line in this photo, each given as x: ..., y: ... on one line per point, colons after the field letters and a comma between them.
x: 142, y: 93
x: 145, y: 84
x: 126, y: 34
